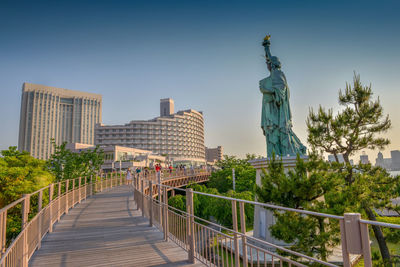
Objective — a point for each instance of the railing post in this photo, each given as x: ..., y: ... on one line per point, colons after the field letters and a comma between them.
x: 111, y: 180
x: 59, y: 201
x: 166, y: 224
x: 51, y: 192
x: 366, y: 246
x: 79, y: 189
x: 85, y: 180
x: 243, y: 230
x: 159, y: 201
x: 3, y: 232
x: 142, y: 193
x: 39, y: 228
x: 101, y: 182
x: 190, y: 225
x: 25, y: 212
x: 355, y: 239
x: 73, y: 193
x: 91, y: 185
x: 66, y: 196
x: 151, y: 202
x: 235, y: 236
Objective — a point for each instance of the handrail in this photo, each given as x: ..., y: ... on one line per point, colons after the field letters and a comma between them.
x: 383, y: 224
x: 29, y: 239
x: 351, y: 225
x: 232, y: 231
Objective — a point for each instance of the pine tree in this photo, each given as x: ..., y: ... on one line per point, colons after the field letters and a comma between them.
x: 358, y: 126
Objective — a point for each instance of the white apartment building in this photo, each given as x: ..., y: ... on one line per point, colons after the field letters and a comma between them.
x: 180, y: 135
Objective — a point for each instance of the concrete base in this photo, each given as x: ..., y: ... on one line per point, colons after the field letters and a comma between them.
x: 264, y: 218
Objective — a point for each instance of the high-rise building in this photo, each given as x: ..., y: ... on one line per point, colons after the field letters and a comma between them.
x: 364, y: 158
x: 385, y: 163
x: 395, y: 154
x: 50, y: 112
x: 214, y: 154
x: 179, y: 135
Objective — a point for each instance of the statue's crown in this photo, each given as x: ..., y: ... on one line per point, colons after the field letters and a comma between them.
x: 267, y: 37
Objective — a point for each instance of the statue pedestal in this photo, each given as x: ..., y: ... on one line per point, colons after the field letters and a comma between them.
x: 264, y: 218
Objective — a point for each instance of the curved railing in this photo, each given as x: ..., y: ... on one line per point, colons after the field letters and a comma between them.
x: 204, y: 240
x: 215, y: 245
x: 41, y: 209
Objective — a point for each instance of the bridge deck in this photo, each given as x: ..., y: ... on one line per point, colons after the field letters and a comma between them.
x: 107, y: 230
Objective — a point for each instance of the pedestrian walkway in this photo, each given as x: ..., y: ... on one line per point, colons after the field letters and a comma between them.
x: 107, y: 230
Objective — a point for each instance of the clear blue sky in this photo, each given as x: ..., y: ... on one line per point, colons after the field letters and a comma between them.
x: 206, y: 55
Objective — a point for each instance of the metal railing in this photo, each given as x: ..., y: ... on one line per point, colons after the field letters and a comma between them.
x: 215, y: 245
x: 51, y: 202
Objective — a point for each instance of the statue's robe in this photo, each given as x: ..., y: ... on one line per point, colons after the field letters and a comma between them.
x: 269, y: 117
x: 276, y: 117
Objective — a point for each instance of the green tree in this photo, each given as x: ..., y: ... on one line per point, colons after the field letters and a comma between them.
x: 20, y: 173
x: 244, y: 173
x: 357, y: 126
x: 207, y: 207
x: 304, y: 187
x: 65, y: 164
x: 178, y: 202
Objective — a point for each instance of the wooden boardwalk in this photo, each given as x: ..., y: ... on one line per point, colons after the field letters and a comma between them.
x: 107, y: 230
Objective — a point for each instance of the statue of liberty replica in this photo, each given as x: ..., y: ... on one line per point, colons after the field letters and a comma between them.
x: 276, y: 118
x: 276, y: 123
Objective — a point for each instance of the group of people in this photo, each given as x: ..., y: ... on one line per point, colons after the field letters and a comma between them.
x: 157, y: 168
x: 129, y: 174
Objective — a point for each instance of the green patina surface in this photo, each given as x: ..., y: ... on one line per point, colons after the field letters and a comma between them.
x: 276, y: 117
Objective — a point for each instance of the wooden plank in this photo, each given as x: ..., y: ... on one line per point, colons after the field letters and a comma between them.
x: 107, y: 230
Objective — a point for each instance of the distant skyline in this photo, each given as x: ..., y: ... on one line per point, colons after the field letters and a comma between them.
x: 206, y: 55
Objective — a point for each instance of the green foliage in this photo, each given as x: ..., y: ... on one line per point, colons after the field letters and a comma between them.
x: 320, y: 186
x: 20, y: 174
x: 178, y: 202
x: 244, y: 173
x: 353, y: 128
x: 65, y: 164
x: 391, y: 235
x: 304, y: 187
x: 359, y: 125
x: 218, y: 209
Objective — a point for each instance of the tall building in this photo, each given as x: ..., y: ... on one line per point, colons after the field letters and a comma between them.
x: 395, y: 154
x: 364, y: 158
x: 214, y: 154
x: 179, y: 135
x: 50, y: 112
x: 385, y: 163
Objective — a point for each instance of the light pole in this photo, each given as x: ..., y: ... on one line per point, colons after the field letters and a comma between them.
x: 233, y: 178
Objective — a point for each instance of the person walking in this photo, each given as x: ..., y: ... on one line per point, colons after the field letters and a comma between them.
x: 129, y: 176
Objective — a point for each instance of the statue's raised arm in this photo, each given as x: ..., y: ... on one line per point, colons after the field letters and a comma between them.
x: 266, y: 43
x: 272, y: 61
